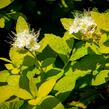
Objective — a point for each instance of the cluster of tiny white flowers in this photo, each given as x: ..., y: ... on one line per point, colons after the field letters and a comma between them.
x: 82, y: 24
x: 26, y: 39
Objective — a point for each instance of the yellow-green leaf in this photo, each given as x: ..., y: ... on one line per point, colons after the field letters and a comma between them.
x: 46, y: 88
x: 65, y: 85
x: 104, y: 49
x: 5, y: 59
x: 5, y: 93
x: 4, y: 75
x: 36, y: 101
x: 13, y: 80
x: 92, y: 48
x: 78, y: 104
x: 9, y: 66
x: 69, y: 38
x: 15, y: 71
x: 33, y: 87
x: 2, y: 22
x: 66, y: 22
x: 101, y: 19
x: 104, y: 44
x: 4, y: 3
x: 101, y: 78
x: 80, y: 51
x: 19, y: 57
x: 56, y: 43
x: 21, y: 25
x: 22, y: 93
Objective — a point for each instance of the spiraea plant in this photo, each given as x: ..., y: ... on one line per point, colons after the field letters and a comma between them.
x: 47, y: 74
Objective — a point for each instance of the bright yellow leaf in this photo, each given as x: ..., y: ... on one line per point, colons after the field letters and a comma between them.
x: 36, y: 101
x: 22, y: 93
x: 5, y: 93
x: 21, y: 25
x: 46, y: 88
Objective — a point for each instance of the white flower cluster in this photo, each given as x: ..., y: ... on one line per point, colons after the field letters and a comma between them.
x: 82, y: 24
x: 26, y: 39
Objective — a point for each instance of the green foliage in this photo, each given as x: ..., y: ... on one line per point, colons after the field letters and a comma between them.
x: 43, y: 91
x: 21, y: 57
x: 32, y: 86
x: 59, y: 45
x: 47, y: 77
x: 13, y: 80
x: 104, y: 46
x: 8, y: 93
x: 80, y: 51
x: 64, y: 86
x: 16, y: 104
x: 51, y: 102
x: 4, y: 75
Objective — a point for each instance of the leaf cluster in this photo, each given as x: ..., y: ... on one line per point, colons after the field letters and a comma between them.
x: 46, y: 78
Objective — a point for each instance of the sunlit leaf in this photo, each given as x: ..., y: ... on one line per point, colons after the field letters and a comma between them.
x: 78, y: 104
x: 104, y: 44
x: 2, y: 22
x: 64, y: 3
x: 5, y: 93
x: 56, y: 43
x: 101, y: 19
x: 22, y: 93
x: 32, y: 71
x: 5, y: 59
x: 21, y: 25
x: 93, y: 48
x: 66, y: 22
x: 36, y: 101
x: 4, y: 75
x: 4, y: 3
x: 46, y: 88
x: 13, y: 80
x: 9, y: 66
x: 19, y: 57
x: 16, y: 57
x: 53, y: 73
x: 101, y: 78
x: 15, y: 71
x: 80, y: 51
x: 33, y: 87
x: 69, y: 38
x: 64, y: 86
